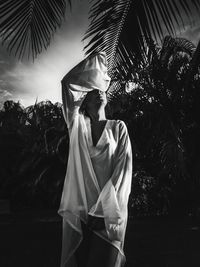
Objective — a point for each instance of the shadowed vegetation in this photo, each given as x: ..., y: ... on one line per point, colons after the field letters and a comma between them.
x: 154, y: 89
x: 163, y: 122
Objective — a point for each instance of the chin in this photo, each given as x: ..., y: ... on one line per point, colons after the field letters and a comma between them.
x: 105, y: 102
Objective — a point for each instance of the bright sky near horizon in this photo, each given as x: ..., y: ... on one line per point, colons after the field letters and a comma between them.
x: 26, y: 81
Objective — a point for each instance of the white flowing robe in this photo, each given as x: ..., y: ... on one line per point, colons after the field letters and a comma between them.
x: 98, y: 178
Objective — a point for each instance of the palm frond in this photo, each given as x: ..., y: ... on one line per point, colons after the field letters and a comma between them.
x: 107, y: 19
x: 123, y: 27
x: 172, y: 157
x: 173, y: 45
x: 27, y: 26
x: 122, y: 73
x: 194, y: 65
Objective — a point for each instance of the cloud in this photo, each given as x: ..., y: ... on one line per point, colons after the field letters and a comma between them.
x: 41, y: 79
x: 4, y: 95
x: 192, y: 33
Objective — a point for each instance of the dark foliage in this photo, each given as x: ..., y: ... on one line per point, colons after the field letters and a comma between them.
x: 163, y: 120
x: 34, y: 149
x: 123, y: 28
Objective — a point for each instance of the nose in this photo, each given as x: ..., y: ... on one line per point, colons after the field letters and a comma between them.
x: 100, y: 92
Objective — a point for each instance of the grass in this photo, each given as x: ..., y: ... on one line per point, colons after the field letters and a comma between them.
x: 34, y: 240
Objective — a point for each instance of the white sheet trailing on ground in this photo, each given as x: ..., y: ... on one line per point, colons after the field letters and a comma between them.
x: 98, y: 179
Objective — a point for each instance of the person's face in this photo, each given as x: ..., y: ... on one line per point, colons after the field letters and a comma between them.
x: 95, y: 99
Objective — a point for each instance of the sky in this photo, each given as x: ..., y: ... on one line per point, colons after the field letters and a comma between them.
x: 28, y: 81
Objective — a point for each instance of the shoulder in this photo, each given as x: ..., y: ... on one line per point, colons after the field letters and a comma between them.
x: 119, y: 123
x: 118, y: 126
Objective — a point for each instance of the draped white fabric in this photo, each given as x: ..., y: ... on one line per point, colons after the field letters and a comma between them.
x: 98, y: 178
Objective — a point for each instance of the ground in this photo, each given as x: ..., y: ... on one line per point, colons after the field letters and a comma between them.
x: 33, y: 239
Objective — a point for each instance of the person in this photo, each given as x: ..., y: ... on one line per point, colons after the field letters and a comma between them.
x: 99, y: 171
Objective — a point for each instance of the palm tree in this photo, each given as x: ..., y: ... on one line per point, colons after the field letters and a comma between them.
x: 159, y: 117
x: 34, y: 149
x: 41, y: 159
x: 12, y: 118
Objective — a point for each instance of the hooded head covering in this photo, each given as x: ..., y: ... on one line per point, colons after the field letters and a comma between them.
x: 91, y: 73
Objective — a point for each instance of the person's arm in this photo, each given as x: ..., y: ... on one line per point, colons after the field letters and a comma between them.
x: 72, y: 98
x: 89, y: 74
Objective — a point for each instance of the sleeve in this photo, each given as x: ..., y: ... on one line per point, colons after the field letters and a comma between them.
x: 113, y: 199
x: 89, y: 74
x: 72, y: 98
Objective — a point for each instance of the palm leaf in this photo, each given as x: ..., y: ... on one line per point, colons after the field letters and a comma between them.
x: 172, y: 154
x: 107, y: 18
x: 27, y: 26
x: 173, y: 45
x: 194, y: 65
x: 123, y: 27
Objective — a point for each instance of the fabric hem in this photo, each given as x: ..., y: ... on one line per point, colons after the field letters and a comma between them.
x: 100, y: 234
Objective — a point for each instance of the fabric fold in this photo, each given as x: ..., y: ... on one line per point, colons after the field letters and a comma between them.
x: 97, y: 185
